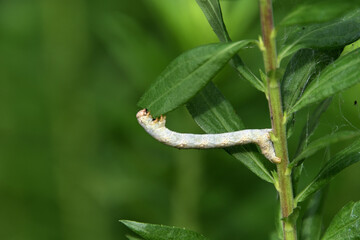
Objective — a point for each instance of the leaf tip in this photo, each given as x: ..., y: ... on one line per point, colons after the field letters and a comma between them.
x: 130, y: 224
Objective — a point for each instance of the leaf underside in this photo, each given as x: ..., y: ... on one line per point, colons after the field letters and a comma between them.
x: 306, y: 133
x: 186, y: 75
x: 323, y: 142
x: 301, y: 70
x: 345, y: 224
x: 311, y: 228
x: 334, y: 34
x: 317, y: 12
x: 312, y: 220
x: 212, y: 12
x: 161, y: 232
x: 336, y: 77
x: 214, y: 114
x: 339, y: 162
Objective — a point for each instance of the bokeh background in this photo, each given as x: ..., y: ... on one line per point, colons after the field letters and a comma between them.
x: 73, y: 160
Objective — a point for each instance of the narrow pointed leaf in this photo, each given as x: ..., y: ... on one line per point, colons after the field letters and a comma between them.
x: 132, y: 238
x: 296, y: 174
x: 214, y: 114
x: 312, y: 224
x: 323, y: 142
x: 317, y: 12
x: 278, y: 234
x: 336, y: 77
x: 351, y: 47
x: 312, y: 220
x: 186, y: 75
x: 160, y: 232
x: 334, y: 34
x: 212, y: 12
x: 297, y: 75
x: 345, y: 224
x: 307, y: 131
x: 311, y: 125
x: 301, y: 70
x: 339, y: 162
x: 245, y: 73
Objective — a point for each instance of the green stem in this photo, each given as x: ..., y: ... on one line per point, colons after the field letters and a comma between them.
x: 277, y: 119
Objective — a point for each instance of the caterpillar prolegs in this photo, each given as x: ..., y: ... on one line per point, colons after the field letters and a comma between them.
x: 156, y: 128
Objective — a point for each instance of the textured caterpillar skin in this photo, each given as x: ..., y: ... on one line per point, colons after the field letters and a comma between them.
x: 156, y: 128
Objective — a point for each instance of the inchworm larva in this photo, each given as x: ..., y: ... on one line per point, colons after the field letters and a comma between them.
x: 156, y: 128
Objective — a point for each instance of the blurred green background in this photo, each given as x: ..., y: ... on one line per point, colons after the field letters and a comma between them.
x: 73, y: 160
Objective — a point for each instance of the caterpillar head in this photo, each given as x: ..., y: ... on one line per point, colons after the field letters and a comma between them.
x: 147, y: 121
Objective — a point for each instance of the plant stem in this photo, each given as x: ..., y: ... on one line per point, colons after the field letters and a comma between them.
x: 277, y: 119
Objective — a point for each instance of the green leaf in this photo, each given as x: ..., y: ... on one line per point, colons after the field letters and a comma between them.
x: 351, y: 47
x: 278, y: 234
x: 296, y: 174
x: 214, y: 114
x: 323, y: 142
x: 132, y: 238
x: 160, y: 232
x: 342, y: 74
x: 317, y: 12
x: 339, y: 162
x: 312, y: 220
x: 311, y: 125
x: 212, y: 12
x: 186, y: 75
x: 311, y: 224
x: 334, y: 34
x: 345, y: 224
x: 298, y: 73
x: 245, y: 73
x: 301, y: 70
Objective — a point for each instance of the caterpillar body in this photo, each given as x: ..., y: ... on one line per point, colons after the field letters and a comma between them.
x: 156, y: 128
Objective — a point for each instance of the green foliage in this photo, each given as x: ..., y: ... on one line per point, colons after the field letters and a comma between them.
x: 340, y: 75
x: 133, y: 238
x: 186, y: 75
x: 345, y: 224
x: 160, y: 232
x: 318, y: 69
x: 278, y: 233
x: 311, y: 125
x: 312, y: 221
x: 334, y: 34
x: 306, y: 133
x: 323, y: 142
x: 214, y: 114
x: 339, y: 162
x: 73, y: 156
x: 212, y: 11
x: 317, y: 12
x: 351, y: 47
x: 301, y: 70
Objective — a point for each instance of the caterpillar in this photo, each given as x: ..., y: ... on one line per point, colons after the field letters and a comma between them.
x: 156, y: 128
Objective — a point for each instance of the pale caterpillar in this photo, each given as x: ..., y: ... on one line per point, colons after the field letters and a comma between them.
x: 156, y: 128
